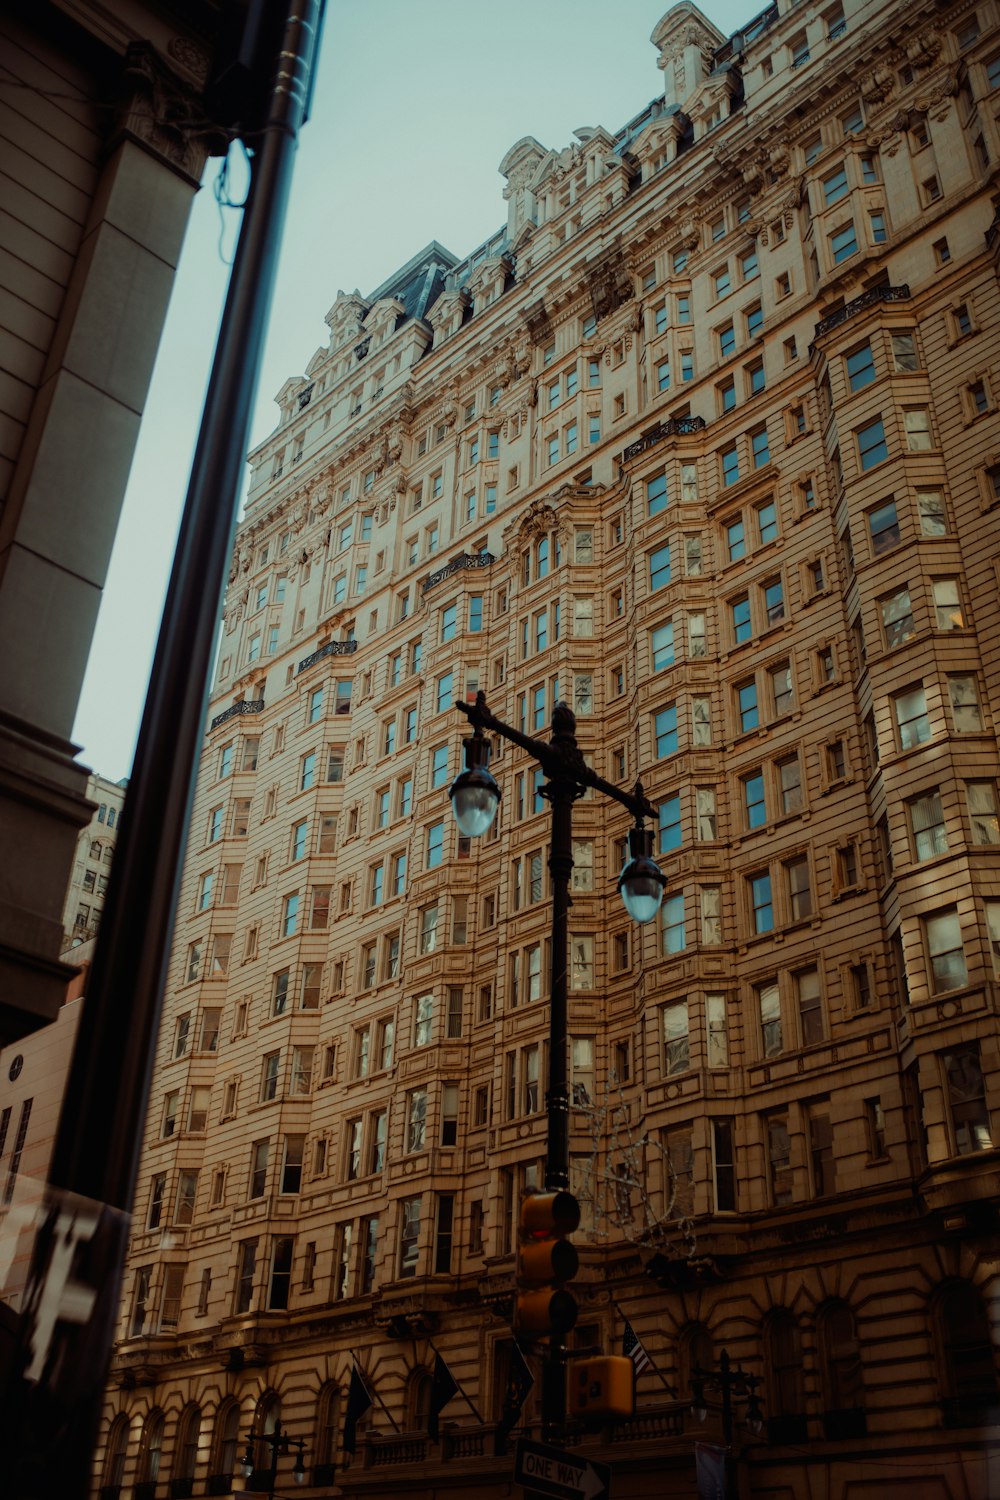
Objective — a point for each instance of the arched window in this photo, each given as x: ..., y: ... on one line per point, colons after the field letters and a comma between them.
x: 696, y: 1352
x: 114, y: 1458
x: 95, y: 848
x: 150, y: 1452
x: 186, y: 1450
x: 786, y: 1421
x: 418, y: 1401
x: 327, y: 1423
x: 969, y: 1375
x: 843, y: 1387
x: 265, y: 1418
x: 227, y: 1443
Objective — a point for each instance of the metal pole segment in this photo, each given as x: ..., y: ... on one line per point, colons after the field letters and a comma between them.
x: 104, y: 1107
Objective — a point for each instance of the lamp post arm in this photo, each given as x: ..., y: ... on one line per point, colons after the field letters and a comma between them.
x: 553, y: 759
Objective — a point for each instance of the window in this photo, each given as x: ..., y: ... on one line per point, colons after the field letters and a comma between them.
x: 761, y: 904
x: 970, y: 1120
x: 729, y: 459
x: 897, y: 619
x: 799, y: 889
x: 672, y: 916
x: 872, y: 447
x: 860, y: 367
x: 665, y: 729
x: 659, y: 568
x: 943, y: 939
x: 877, y: 228
x: 435, y: 846
x: 705, y: 814
x: 755, y: 810
x: 581, y: 961
x: 428, y: 928
x: 835, y: 186
x: 928, y: 826
x: 445, y: 690
x: 669, y: 820
x: 918, y: 429
x: 423, y: 1020
x: 964, y: 696
x: 843, y: 244
x: 982, y: 803
x: 947, y: 604
x: 746, y: 706
x: 676, y: 1041
x: 769, y: 1008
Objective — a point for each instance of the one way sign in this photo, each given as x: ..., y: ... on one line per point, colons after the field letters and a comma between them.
x: 550, y: 1471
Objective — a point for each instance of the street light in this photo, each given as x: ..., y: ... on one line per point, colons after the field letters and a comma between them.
x: 280, y: 1444
x: 728, y: 1381
x: 475, y: 798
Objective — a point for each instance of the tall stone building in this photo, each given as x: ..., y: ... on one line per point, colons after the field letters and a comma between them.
x: 704, y: 441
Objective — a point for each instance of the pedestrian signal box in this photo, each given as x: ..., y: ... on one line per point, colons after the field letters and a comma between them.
x: 601, y: 1387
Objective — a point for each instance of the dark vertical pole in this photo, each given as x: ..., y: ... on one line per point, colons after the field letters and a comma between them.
x: 104, y: 1107
x: 561, y: 792
x: 561, y: 795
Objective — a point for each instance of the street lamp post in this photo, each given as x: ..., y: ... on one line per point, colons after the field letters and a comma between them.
x: 729, y: 1382
x: 280, y: 1444
x: 475, y: 798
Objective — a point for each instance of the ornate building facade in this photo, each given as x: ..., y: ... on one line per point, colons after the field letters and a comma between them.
x: 705, y: 442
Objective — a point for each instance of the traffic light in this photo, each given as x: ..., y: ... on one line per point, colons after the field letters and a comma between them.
x: 545, y: 1261
x: 602, y: 1387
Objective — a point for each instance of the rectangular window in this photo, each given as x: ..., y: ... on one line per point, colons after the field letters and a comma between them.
x: 843, y: 244
x: 670, y: 823
x: 672, y: 917
x: 779, y: 1153
x: 860, y: 367
x: 912, y: 721
x: 761, y: 904
x: 964, y: 696
x: 897, y: 619
x: 665, y: 730
x: 928, y: 826
x: 982, y: 803
x: 872, y: 447
x: 769, y: 1007
x: 676, y: 1040
x: 970, y: 1120
x: 943, y: 937
x: 659, y: 568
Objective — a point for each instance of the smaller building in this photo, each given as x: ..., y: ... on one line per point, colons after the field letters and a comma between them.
x: 95, y: 848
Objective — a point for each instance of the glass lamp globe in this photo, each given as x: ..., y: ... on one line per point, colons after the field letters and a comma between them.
x: 475, y: 798
x: 641, y: 882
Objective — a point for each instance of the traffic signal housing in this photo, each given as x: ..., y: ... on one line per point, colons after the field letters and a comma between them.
x: 545, y: 1262
x: 602, y: 1387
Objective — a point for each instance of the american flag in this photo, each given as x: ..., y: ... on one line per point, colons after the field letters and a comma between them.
x: 633, y: 1350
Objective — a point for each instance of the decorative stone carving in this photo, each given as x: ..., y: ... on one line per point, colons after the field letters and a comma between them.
x: 157, y: 110
x: 922, y: 49
x: 877, y: 86
x: 346, y: 317
x: 610, y: 283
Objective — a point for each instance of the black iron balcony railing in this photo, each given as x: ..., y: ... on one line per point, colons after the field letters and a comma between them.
x: 874, y: 294
x: 463, y: 560
x: 245, y: 706
x: 673, y: 427
x: 332, y: 648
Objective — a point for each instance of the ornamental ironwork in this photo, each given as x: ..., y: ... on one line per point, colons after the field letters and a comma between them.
x: 463, y: 560
x: 874, y: 294
x: 673, y: 427
x: 332, y: 648
x: 245, y: 706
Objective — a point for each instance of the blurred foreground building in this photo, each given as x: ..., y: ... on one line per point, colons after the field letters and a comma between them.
x: 104, y: 132
x: 704, y: 441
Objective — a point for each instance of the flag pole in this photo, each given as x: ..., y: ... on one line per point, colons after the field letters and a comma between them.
x: 652, y: 1363
x: 369, y: 1387
x: 461, y: 1390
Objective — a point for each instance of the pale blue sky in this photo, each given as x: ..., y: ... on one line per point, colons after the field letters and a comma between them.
x: 416, y: 103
